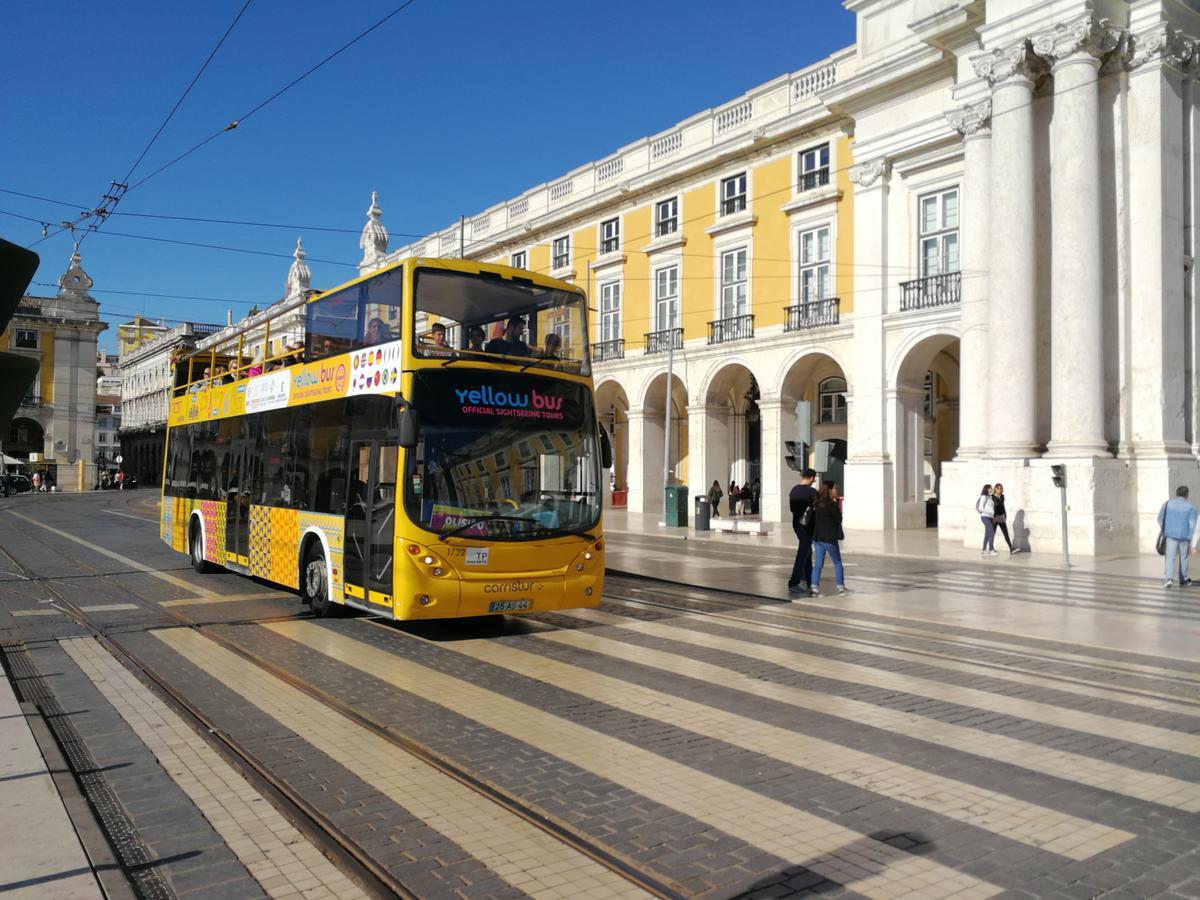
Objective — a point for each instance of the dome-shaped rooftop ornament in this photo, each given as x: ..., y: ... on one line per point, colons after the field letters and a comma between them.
x: 299, y: 278
x: 374, y: 239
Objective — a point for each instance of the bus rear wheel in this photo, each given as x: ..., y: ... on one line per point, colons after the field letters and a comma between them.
x: 314, y: 583
x: 196, y: 549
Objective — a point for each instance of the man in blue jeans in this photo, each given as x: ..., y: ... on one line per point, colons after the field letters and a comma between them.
x: 1177, y: 519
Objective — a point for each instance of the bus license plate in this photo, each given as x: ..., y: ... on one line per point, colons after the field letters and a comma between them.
x: 508, y: 605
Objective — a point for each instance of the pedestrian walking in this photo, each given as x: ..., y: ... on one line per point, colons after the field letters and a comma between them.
x: 37, y: 481
x: 733, y: 498
x: 827, y: 532
x: 986, y: 507
x: 1000, y: 517
x: 714, y: 498
x: 6, y: 483
x: 1177, y: 523
x: 800, y: 500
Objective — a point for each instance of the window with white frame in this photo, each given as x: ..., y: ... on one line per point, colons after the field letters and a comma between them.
x: 561, y: 252
x: 610, y: 311
x: 815, y: 269
x: 733, y: 283
x: 814, y: 168
x: 666, y: 298
x: 666, y: 217
x: 939, y: 232
x: 25, y: 339
x: 733, y: 194
x: 832, y: 394
x: 610, y: 236
x: 520, y: 260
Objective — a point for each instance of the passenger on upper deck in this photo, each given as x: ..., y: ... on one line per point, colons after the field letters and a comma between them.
x: 511, y: 343
x: 378, y: 332
x: 200, y: 385
x: 553, y: 346
x: 475, y: 336
x: 438, y: 333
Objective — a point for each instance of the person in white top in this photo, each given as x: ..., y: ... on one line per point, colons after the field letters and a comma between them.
x: 987, y: 512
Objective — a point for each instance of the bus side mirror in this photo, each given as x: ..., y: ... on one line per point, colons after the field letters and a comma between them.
x: 410, y: 430
x: 606, y: 450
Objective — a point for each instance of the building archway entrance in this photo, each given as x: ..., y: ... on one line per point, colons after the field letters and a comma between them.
x: 728, y: 447
x: 612, y: 408
x: 25, y: 436
x: 924, y: 407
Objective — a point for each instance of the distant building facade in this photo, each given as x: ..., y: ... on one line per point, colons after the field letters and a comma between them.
x: 146, y: 372
x: 54, y: 427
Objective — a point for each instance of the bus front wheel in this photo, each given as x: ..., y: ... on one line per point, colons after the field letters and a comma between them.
x: 196, y: 550
x: 314, y: 582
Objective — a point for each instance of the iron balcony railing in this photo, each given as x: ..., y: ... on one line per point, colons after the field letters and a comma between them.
x: 603, y: 351
x: 662, y: 341
x: 930, y: 291
x: 734, y: 328
x: 666, y: 226
x: 814, y: 179
x: 732, y: 205
x: 812, y: 314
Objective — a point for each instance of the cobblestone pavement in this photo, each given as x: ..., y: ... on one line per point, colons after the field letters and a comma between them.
x: 946, y: 733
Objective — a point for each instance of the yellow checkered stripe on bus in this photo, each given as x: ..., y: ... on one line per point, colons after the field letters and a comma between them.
x: 274, y: 546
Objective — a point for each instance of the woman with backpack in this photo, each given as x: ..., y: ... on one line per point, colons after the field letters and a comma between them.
x: 827, y: 531
x: 986, y: 507
x: 714, y: 498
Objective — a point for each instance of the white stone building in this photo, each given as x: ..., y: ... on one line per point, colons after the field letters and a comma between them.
x: 967, y: 241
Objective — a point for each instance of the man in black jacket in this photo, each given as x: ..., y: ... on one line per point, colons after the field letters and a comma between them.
x: 801, y: 500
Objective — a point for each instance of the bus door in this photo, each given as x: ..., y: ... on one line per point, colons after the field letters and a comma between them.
x: 368, y: 563
x: 237, y: 498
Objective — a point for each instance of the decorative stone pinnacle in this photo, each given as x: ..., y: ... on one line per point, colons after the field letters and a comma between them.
x: 374, y: 239
x: 1086, y: 35
x: 1163, y: 44
x: 867, y: 173
x: 299, y: 278
x: 1016, y: 63
x: 970, y: 118
x: 74, y: 282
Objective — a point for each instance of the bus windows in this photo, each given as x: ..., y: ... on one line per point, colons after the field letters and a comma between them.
x: 363, y: 315
x: 459, y: 312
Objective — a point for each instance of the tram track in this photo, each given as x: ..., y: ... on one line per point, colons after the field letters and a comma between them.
x: 651, y: 593
x: 325, y: 834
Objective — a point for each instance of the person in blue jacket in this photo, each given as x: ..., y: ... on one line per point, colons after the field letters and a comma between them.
x: 1177, y: 520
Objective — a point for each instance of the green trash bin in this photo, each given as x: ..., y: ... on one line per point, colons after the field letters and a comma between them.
x: 676, y: 511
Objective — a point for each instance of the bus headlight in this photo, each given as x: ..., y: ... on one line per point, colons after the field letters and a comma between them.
x: 578, y: 567
x: 587, y: 592
x: 429, y: 560
x: 587, y: 554
x: 423, y: 599
x: 438, y: 571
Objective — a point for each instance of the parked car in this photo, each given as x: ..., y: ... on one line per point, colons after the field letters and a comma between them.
x: 20, y: 484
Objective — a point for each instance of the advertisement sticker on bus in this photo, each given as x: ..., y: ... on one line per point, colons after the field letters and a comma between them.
x: 268, y: 391
x: 445, y: 517
x: 320, y: 381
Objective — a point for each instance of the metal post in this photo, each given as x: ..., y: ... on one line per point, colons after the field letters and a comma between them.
x: 667, y: 417
x: 1062, y: 495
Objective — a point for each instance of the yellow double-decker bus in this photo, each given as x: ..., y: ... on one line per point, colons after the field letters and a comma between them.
x: 427, y: 449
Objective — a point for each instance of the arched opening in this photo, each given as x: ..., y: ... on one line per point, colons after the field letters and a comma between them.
x: 646, y: 450
x: 730, y: 447
x: 925, y: 412
x: 818, y: 381
x: 25, y: 436
x: 612, y: 408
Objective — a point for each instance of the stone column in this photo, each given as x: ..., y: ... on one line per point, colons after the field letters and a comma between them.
x: 1077, y: 353
x: 778, y: 421
x: 870, y: 498
x: 1012, y: 391
x: 708, y: 447
x: 972, y: 120
x: 1157, y: 185
x: 645, y: 461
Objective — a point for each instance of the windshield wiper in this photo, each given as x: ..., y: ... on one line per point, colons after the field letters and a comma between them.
x: 540, y: 528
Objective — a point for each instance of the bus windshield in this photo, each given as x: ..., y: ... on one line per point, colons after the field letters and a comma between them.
x: 469, y: 315
x: 503, y: 456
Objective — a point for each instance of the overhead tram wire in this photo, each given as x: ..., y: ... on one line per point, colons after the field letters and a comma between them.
x: 240, y: 119
x: 118, y: 189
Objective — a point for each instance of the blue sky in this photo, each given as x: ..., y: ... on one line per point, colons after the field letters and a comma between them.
x: 446, y: 109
